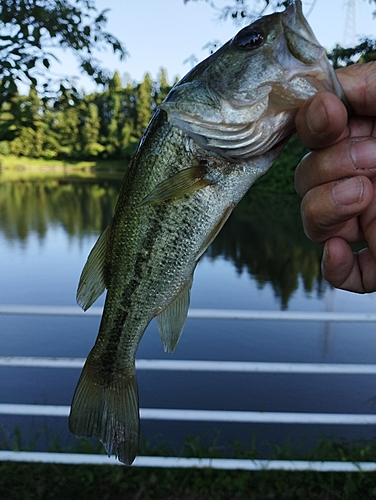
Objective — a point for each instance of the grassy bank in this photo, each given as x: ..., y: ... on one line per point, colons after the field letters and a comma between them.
x: 70, y: 482
x: 21, y: 163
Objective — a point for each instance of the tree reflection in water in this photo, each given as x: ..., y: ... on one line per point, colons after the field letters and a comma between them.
x: 265, y: 237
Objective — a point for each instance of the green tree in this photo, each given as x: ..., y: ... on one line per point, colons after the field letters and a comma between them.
x: 113, y: 145
x: 89, y: 131
x: 364, y: 52
x: 30, y: 107
x: 129, y: 135
x: 29, y: 143
x: 10, y: 119
x: 29, y: 131
x: 66, y: 127
x: 28, y: 27
x: 144, y: 104
x: 163, y: 87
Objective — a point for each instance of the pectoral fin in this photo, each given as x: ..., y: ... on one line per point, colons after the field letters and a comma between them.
x: 186, y: 181
x: 172, y: 320
x: 92, y: 281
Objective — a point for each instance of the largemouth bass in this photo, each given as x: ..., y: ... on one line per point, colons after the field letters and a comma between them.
x: 218, y: 130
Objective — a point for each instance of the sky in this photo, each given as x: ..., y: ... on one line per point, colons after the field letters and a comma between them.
x: 165, y: 33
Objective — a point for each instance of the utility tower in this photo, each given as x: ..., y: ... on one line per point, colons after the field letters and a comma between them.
x: 349, y: 34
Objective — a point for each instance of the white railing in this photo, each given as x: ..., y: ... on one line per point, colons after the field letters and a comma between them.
x: 200, y: 314
x: 200, y: 415
x: 202, y: 366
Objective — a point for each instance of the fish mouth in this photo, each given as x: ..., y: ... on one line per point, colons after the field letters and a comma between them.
x: 304, y: 47
x: 300, y: 38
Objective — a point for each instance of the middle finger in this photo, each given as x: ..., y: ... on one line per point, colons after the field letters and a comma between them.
x: 350, y: 157
x: 332, y: 209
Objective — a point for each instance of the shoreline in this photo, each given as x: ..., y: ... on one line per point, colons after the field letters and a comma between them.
x: 23, y: 168
x: 23, y: 163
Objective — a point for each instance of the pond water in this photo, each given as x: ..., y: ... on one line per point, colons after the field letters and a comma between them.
x: 261, y: 260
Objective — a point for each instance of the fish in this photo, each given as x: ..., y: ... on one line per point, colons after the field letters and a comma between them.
x: 218, y: 130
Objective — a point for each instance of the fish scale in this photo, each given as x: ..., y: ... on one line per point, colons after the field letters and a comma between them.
x: 218, y: 130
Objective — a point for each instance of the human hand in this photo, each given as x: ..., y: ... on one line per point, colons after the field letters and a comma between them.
x: 337, y: 179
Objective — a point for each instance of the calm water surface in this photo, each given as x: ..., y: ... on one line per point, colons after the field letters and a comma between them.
x: 261, y: 260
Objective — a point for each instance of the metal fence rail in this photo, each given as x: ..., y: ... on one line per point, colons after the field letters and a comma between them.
x: 265, y: 417
x: 200, y: 415
x: 239, y: 314
x: 202, y: 366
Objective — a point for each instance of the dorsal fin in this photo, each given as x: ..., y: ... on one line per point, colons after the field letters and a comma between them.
x: 172, y: 320
x: 92, y: 281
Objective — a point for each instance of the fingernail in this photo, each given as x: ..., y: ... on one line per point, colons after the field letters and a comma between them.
x: 317, y: 119
x: 348, y: 191
x: 363, y: 154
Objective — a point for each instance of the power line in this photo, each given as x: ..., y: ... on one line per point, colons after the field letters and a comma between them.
x: 313, y: 5
x: 349, y: 34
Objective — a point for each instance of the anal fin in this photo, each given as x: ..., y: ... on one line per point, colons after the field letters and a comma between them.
x: 92, y: 281
x: 171, y: 321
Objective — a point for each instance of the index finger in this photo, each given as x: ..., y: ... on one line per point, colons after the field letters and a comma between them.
x: 359, y: 84
x: 322, y: 120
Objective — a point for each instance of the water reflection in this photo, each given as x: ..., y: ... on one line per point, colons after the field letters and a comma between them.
x: 264, y: 235
x: 81, y: 206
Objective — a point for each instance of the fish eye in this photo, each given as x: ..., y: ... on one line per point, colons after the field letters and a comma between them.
x: 249, y: 39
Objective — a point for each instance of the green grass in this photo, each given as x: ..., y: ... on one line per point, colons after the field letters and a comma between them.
x: 21, y: 163
x: 23, y: 481
x: 66, y: 482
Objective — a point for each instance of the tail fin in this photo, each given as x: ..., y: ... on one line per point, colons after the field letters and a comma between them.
x: 109, y: 413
